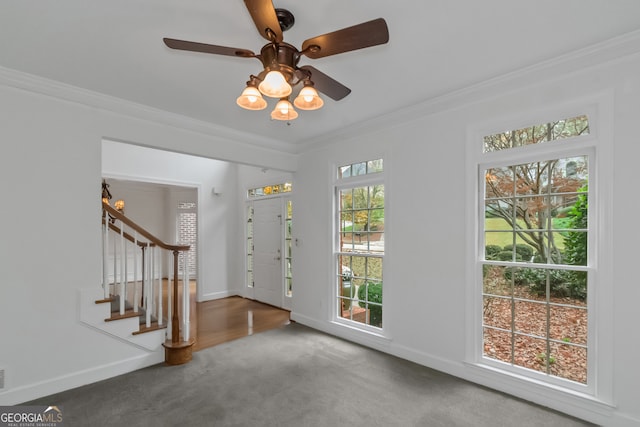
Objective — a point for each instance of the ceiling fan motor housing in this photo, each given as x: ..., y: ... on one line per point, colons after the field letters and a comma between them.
x: 281, y: 57
x: 285, y: 19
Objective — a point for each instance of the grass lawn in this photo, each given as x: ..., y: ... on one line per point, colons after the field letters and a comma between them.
x: 506, y: 238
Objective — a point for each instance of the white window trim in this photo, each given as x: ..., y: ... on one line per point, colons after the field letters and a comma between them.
x: 599, y: 109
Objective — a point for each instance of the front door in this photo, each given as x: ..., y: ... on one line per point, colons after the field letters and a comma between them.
x: 267, y: 253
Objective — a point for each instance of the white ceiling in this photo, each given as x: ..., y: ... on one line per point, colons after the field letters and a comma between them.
x: 115, y: 47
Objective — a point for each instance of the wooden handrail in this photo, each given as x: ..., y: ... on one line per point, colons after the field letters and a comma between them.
x: 117, y: 215
x: 128, y: 236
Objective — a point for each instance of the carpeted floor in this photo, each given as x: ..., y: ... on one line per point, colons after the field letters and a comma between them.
x: 295, y: 376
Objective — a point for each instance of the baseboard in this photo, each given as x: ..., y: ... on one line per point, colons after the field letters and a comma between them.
x: 218, y: 295
x: 377, y: 342
x: 580, y: 406
x: 40, y: 389
x: 624, y: 420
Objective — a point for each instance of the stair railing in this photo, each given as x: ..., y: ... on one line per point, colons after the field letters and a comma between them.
x: 147, y: 253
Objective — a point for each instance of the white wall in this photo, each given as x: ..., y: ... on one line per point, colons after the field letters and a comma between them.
x: 50, y: 171
x: 426, y: 237
x: 144, y: 204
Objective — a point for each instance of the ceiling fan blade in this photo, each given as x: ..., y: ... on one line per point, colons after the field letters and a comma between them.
x: 325, y: 84
x: 264, y: 16
x: 207, y: 48
x: 367, y: 34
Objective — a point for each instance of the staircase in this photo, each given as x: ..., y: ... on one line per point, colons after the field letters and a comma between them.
x: 134, y: 303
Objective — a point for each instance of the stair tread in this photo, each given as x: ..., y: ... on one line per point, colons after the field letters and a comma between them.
x: 154, y: 327
x: 127, y: 315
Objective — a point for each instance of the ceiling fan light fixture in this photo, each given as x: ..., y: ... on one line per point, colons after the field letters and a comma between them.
x: 251, y: 99
x: 308, y: 98
x: 275, y: 85
x: 284, y: 111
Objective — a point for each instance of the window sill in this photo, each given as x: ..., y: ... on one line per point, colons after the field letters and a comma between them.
x: 547, y: 394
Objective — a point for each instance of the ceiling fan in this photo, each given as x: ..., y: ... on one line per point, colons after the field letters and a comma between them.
x: 280, y: 60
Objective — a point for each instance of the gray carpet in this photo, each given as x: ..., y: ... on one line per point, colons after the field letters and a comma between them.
x: 295, y: 376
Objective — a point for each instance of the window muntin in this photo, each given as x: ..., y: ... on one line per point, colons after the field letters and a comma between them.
x: 360, y: 252
x: 534, y: 229
x: 537, y: 134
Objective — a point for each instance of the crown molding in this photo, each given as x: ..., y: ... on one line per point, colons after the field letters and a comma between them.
x: 55, y: 89
x: 599, y: 54
x: 594, y: 55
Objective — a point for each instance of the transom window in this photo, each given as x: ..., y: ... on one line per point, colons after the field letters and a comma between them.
x: 546, y: 132
x: 536, y: 257
x: 360, y: 243
x: 360, y: 168
x: 269, y: 190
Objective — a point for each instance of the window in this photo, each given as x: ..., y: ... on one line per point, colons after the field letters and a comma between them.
x: 537, y: 256
x: 362, y: 168
x: 546, y: 132
x: 187, y: 234
x: 360, y: 243
x: 249, y: 246
x: 269, y: 190
x: 288, y: 248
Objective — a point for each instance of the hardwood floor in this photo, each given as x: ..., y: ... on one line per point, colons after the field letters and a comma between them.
x: 218, y: 321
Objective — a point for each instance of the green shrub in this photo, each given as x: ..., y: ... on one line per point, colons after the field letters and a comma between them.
x: 491, y: 251
x: 524, y: 251
x: 575, y: 243
x: 562, y: 283
x: 516, y: 274
x: 372, y: 293
x: 507, y: 256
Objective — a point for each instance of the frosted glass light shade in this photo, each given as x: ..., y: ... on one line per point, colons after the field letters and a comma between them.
x: 308, y: 99
x: 274, y: 85
x: 119, y: 205
x: 251, y: 99
x: 284, y: 111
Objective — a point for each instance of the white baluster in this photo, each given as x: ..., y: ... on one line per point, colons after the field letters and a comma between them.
x: 126, y: 271
x: 186, y: 297
x: 149, y: 287
x: 105, y: 255
x: 122, y: 267
x: 136, y: 293
x: 160, y: 293
x: 115, y: 265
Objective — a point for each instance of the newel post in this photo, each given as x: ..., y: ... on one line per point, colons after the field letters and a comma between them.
x: 175, y: 320
x: 176, y: 351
